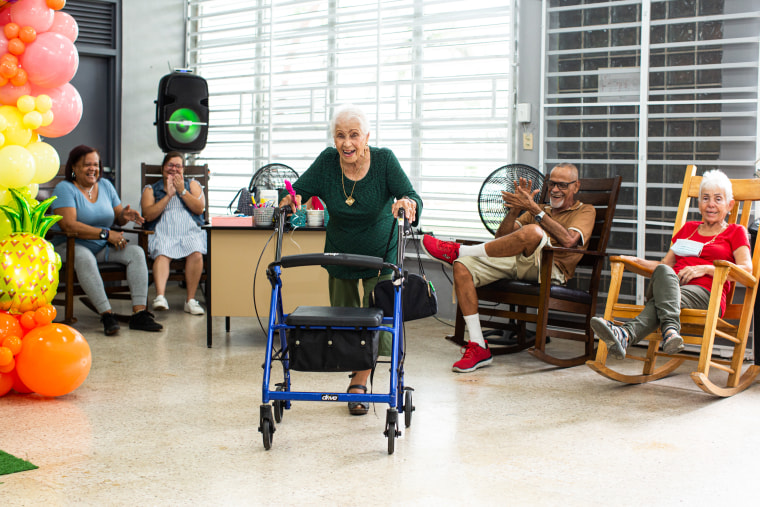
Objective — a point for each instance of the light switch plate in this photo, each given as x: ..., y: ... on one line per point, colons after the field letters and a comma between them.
x: 527, y: 141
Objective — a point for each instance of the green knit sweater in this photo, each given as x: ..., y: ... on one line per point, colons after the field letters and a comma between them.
x: 365, y: 227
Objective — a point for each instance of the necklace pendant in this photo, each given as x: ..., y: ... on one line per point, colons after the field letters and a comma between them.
x: 350, y: 200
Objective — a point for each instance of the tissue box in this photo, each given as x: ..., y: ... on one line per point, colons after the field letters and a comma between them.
x: 231, y: 221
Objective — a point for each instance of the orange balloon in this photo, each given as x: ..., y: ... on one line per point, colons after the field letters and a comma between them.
x: 7, y: 368
x: 19, y: 386
x: 8, y: 70
x: 9, y: 326
x: 27, y: 320
x: 11, y: 30
x: 6, y: 356
x: 7, y: 57
x: 16, y: 46
x: 45, y: 314
x: 6, y: 382
x: 27, y: 34
x: 54, y: 360
x: 13, y: 343
x: 56, y: 5
x: 20, y: 78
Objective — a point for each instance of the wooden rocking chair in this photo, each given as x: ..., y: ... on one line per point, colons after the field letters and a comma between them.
x: 699, y: 327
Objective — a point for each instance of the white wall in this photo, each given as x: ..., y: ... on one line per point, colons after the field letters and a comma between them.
x: 153, y: 42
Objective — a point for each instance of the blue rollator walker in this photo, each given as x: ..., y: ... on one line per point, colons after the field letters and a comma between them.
x: 333, y: 339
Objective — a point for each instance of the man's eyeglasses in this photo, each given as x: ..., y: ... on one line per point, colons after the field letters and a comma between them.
x: 179, y: 166
x: 559, y: 184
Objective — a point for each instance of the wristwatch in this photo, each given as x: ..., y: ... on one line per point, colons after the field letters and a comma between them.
x: 104, y: 233
x: 539, y: 216
x: 184, y: 191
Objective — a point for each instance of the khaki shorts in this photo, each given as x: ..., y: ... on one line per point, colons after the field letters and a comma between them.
x: 486, y: 270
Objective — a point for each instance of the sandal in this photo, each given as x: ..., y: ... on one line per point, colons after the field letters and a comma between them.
x: 358, y: 407
x: 672, y: 343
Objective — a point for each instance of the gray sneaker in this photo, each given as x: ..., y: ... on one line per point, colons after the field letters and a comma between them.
x: 672, y: 343
x: 614, y: 336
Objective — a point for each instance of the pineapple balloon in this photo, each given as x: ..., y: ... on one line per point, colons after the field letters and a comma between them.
x: 28, y: 264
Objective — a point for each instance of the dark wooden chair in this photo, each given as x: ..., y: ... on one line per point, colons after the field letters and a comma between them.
x: 558, y: 311
x: 114, y: 275
x: 150, y: 175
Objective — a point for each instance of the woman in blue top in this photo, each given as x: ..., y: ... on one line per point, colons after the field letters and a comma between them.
x: 89, y: 206
x: 173, y: 207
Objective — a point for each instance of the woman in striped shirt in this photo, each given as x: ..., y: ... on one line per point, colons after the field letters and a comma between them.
x: 173, y: 208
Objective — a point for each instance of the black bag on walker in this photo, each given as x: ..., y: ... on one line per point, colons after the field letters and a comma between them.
x: 417, y: 301
x: 315, y: 344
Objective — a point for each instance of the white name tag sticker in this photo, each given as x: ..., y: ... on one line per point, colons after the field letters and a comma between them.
x: 687, y: 248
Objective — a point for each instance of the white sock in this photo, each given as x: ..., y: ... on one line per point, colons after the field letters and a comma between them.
x: 473, y: 328
x: 478, y: 250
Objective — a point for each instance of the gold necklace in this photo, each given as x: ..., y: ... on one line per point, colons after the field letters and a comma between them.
x: 349, y: 198
x: 723, y: 226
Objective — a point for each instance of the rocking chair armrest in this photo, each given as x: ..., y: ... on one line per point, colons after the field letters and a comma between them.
x: 634, y: 267
x: 736, y: 273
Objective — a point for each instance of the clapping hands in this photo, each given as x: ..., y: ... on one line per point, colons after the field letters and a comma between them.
x: 523, y: 198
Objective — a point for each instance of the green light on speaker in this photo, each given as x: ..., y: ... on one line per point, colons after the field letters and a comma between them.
x: 184, y: 131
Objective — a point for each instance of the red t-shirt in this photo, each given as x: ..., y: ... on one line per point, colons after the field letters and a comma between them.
x: 723, y: 248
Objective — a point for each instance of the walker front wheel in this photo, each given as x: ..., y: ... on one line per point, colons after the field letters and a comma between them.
x: 408, y: 406
x: 391, y: 429
x: 266, y: 425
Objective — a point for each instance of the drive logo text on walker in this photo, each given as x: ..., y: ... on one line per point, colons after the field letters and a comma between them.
x: 329, y: 397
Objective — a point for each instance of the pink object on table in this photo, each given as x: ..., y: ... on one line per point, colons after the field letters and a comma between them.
x: 316, y: 203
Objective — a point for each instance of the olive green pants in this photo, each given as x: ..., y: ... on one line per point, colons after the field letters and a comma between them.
x: 346, y: 293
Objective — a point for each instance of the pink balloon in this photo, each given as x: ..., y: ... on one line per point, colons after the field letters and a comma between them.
x: 67, y: 109
x: 66, y: 25
x: 51, y: 60
x: 3, y: 40
x: 34, y: 13
x: 9, y: 94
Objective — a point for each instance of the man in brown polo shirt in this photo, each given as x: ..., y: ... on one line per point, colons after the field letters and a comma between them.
x: 516, y: 251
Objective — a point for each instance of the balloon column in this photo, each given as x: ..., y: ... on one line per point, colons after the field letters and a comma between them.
x: 37, y: 61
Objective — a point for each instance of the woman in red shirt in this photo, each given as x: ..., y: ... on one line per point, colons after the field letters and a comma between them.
x: 683, y: 278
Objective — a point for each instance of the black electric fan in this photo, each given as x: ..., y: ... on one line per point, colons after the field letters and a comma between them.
x: 490, y: 203
x: 271, y: 177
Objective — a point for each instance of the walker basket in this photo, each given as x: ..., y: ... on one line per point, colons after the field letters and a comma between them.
x: 333, y: 339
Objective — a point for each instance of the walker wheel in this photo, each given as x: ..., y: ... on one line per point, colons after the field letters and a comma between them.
x: 408, y: 407
x: 391, y: 429
x: 266, y: 425
x: 279, y: 407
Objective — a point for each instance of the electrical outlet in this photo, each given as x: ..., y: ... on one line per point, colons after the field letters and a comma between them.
x: 527, y: 141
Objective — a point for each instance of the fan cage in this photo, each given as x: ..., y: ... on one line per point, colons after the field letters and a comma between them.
x: 491, y: 206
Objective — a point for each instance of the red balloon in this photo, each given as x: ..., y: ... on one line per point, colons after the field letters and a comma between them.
x: 6, y: 383
x: 51, y: 60
x: 67, y: 109
x: 54, y: 360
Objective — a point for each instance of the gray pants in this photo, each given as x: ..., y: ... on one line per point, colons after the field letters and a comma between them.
x: 665, y: 298
x: 86, y: 268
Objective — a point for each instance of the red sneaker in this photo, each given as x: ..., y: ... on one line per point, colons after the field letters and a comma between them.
x: 474, y: 357
x: 444, y: 251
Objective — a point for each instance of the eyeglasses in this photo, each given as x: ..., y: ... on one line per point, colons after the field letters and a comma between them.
x: 559, y: 184
x: 174, y: 166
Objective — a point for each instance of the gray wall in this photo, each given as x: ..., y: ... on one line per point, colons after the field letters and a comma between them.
x: 153, y: 38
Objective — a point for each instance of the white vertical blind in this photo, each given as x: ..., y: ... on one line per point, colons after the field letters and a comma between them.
x: 434, y: 78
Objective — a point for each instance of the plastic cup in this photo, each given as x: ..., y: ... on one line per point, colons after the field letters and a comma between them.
x: 315, y: 217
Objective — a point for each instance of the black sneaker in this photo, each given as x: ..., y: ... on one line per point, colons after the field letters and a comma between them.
x: 143, y: 321
x: 110, y: 325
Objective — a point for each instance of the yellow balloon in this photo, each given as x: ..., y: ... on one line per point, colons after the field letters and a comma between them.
x: 5, y: 197
x: 3, y: 123
x: 43, y: 103
x: 17, y: 166
x: 32, y: 120
x: 26, y: 103
x: 47, y: 118
x: 46, y: 161
x: 15, y: 133
x: 2, y: 140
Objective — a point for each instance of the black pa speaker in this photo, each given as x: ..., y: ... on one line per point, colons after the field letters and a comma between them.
x: 182, y: 113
